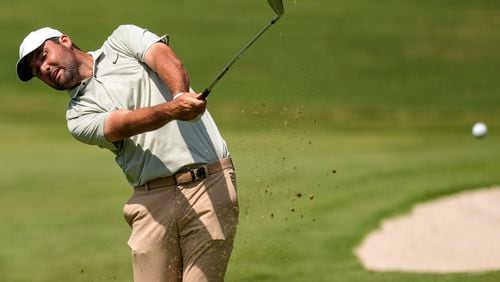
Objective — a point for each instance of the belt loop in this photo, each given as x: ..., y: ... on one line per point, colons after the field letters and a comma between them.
x: 146, y: 187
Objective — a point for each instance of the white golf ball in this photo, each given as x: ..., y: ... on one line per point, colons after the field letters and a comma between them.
x: 479, y: 130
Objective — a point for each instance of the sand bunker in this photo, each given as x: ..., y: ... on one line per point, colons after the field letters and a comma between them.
x: 459, y: 233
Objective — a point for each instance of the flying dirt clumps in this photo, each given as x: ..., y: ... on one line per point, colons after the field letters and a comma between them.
x: 454, y: 234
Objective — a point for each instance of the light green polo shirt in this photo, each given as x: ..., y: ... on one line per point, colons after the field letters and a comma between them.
x: 122, y: 80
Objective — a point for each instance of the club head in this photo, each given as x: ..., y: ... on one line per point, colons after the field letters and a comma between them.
x: 277, y: 6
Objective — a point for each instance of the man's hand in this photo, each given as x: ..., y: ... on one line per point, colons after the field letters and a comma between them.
x: 187, y: 106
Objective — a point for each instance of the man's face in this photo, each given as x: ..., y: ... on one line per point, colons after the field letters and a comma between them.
x: 55, y: 64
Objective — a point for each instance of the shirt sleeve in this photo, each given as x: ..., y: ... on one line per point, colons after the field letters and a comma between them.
x: 134, y: 41
x: 88, y: 127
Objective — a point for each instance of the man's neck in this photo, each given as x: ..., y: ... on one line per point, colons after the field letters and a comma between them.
x: 86, y: 69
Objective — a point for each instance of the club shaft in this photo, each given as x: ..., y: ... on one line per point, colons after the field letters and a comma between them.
x: 207, y: 91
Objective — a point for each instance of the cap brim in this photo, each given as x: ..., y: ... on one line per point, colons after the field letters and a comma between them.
x: 23, y: 71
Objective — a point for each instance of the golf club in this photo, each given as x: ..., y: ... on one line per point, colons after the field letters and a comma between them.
x: 277, y: 6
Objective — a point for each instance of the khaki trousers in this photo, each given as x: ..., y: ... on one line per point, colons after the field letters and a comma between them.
x: 185, y: 232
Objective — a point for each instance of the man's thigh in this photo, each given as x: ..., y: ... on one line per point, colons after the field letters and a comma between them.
x: 208, y: 228
x: 154, y: 241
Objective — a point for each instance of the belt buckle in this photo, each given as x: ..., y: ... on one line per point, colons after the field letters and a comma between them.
x: 200, y: 173
x: 191, y: 175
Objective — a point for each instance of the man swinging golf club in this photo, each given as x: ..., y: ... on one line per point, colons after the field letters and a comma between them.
x: 132, y: 96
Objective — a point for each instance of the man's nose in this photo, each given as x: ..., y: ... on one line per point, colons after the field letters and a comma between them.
x: 45, y: 68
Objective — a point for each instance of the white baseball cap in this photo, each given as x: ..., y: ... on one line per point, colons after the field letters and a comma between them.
x: 30, y: 43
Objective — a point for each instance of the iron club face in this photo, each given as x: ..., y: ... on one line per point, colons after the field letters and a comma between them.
x: 277, y: 6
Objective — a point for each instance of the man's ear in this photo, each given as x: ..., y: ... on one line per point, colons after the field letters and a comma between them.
x: 66, y: 41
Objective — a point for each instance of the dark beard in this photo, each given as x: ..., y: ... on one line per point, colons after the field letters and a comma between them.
x: 70, y: 80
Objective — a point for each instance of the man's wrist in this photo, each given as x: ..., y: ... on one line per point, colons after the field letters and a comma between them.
x: 178, y: 94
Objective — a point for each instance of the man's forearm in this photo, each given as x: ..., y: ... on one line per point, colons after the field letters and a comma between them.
x: 123, y: 124
x: 174, y: 76
x: 161, y: 59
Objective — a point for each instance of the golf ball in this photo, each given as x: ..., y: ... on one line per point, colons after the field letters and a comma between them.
x: 479, y: 130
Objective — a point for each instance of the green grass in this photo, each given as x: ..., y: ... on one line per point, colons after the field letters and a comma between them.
x: 376, y: 176
x: 344, y: 113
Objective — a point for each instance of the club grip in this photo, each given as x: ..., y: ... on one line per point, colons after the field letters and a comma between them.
x: 204, y: 94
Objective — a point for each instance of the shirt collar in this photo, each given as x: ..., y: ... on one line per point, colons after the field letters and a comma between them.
x: 95, y: 55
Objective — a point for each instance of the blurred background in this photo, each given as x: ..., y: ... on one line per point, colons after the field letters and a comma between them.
x: 343, y: 113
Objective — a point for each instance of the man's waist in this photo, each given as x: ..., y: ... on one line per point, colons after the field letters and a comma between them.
x: 188, y: 174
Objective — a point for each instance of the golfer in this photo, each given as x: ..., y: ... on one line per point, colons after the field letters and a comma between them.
x: 132, y: 96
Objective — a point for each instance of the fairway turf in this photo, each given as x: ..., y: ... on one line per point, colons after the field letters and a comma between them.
x: 345, y: 113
